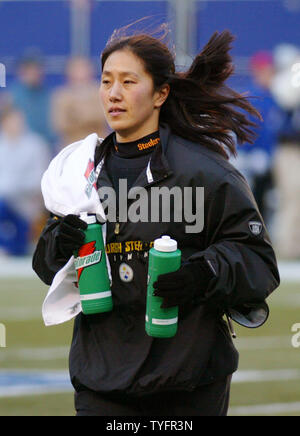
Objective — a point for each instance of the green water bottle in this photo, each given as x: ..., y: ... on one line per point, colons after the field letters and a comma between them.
x: 91, y: 268
x: 164, y: 257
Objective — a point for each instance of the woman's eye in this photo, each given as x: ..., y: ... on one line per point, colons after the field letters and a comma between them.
x: 128, y: 81
x: 105, y: 82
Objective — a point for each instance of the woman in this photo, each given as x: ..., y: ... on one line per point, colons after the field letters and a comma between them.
x: 169, y: 130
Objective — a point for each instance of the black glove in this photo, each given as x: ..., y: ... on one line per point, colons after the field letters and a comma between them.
x: 184, y: 285
x: 70, y: 236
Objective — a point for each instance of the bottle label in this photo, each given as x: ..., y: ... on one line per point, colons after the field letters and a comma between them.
x: 91, y: 259
x: 164, y: 321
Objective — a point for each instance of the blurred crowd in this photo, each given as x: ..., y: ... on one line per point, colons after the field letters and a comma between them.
x: 272, y: 164
x: 37, y: 121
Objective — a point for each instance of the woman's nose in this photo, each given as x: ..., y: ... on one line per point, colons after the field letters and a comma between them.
x: 115, y: 92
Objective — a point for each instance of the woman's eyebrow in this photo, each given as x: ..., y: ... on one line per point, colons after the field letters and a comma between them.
x: 121, y: 73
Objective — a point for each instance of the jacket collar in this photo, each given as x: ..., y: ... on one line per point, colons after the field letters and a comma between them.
x: 158, y: 167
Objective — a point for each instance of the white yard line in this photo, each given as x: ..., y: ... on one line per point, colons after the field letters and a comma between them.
x: 265, y: 409
x: 20, y: 314
x: 289, y: 271
x: 15, y: 268
x: 61, y: 352
x: 16, y: 382
x: 43, y: 354
x: 267, y: 375
x: 25, y: 391
x: 37, y: 354
x: 263, y: 342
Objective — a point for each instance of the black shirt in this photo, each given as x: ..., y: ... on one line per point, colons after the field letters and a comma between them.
x: 128, y: 159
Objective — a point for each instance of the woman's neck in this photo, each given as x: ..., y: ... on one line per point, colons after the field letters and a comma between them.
x: 130, y: 136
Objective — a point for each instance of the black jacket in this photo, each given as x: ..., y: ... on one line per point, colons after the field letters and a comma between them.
x: 111, y: 352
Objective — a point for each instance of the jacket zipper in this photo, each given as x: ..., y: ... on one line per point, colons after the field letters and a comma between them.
x: 230, y: 325
x: 117, y: 228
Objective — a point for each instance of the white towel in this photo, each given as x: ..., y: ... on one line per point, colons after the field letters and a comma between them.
x: 69, y: 187
x: 65, y: 185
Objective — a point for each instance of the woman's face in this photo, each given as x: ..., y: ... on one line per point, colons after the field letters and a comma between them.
x: 130, y: 104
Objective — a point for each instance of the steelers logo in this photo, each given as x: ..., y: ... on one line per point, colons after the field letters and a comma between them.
x: 125, y: 272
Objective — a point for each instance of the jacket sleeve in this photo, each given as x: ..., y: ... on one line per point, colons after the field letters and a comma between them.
x: 47, y: 260
x: 239, y: 251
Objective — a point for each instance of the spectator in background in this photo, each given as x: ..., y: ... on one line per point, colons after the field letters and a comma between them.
x: 286, y: 91
x: 24, y: 157
x: 256, y: 161
x: 76, y: 109
x: 30, y: 94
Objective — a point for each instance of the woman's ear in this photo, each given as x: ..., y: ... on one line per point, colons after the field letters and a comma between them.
x: 161, y: 95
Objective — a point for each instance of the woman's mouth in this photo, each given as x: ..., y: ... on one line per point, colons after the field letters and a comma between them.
x: 116, y: 112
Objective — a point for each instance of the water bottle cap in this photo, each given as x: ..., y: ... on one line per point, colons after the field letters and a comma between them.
x: 165, y: 244
x: 89, y: 219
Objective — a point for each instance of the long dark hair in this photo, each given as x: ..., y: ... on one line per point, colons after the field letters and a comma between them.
x: 200, y: 107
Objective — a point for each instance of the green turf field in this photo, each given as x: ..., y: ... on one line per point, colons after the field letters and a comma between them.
x: 267, y: 383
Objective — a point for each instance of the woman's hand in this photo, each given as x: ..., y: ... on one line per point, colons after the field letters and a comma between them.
x: 182, y: 286
x: 70, y: 235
